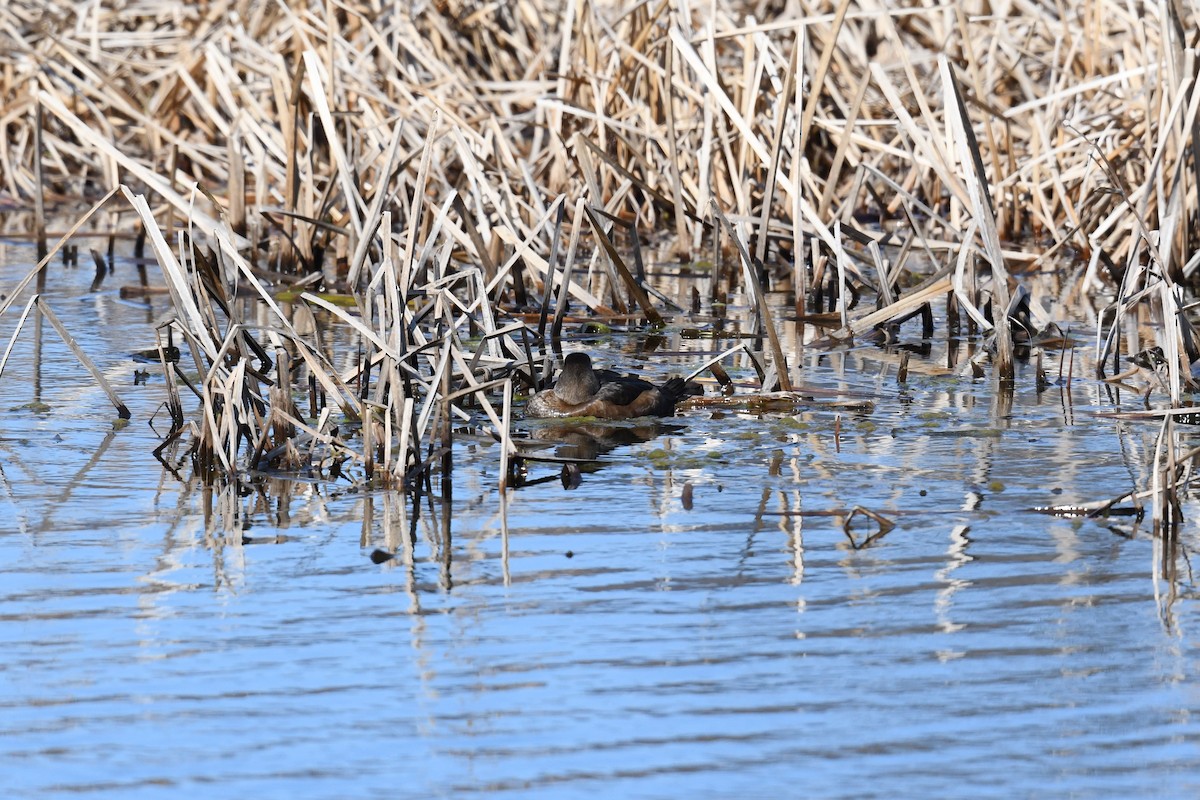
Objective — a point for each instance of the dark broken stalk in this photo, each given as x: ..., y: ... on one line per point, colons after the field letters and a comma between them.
x: 69, y: 340
x: 752, y: 286
x: 636, y: 180
x: 447, y: 432
x: 281, y: 396
x: 560, y: 306
x: 983, y: 210
x: 174, y: 404
x: 638, y: 293
x: 39, y: 195
x: 505, y: 437
x: 635, y: 246
x: 560, y: 309
x: 548, y: 287
x: 101, y: 270
x: 368, y: 439
x: 714, y: 366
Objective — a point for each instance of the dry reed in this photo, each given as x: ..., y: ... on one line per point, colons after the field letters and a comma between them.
x: 424, y: 160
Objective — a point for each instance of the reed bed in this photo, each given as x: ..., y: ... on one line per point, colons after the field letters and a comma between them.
x: 448, y: 177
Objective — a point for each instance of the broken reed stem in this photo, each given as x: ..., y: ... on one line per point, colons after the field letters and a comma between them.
x: 39, y: 194
x: 548, y: 284
x: 368, y: 439
x: 760, y: 301
x: 447, y: 432
x: 560, y: 310
x: 635, y: 289
x: 506, y: 437
x: 69, y: 341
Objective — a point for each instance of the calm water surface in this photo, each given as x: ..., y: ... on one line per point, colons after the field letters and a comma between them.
x: 159, y: 641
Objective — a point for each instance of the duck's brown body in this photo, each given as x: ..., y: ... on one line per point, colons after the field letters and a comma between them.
x: 581, y: 392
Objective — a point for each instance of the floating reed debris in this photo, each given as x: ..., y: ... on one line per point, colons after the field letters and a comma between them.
x: 411, y: 172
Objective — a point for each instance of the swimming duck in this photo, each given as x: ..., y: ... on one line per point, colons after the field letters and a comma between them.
x: 581, y: 392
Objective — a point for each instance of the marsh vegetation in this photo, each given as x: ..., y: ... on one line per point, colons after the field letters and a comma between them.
x: 935, y: 268
x: 453, y: 180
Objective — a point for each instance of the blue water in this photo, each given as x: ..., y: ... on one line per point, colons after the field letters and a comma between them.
x: 159, y: 642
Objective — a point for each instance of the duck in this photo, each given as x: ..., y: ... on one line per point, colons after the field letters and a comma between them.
x: 581, y: 391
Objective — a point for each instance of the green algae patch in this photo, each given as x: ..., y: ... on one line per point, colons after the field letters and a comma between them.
x: 659, y: 458
x: 340, y: 300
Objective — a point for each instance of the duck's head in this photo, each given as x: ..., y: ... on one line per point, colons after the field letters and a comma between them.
x: 577, y: 383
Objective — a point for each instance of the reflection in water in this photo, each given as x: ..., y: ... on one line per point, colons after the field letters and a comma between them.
x: 580, y: 444
x: 956, y: 557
